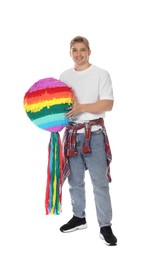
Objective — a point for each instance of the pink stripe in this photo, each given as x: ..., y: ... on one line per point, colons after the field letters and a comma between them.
x: 55, y: 128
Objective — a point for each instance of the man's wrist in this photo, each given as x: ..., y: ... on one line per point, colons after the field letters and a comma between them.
x: 83, y: 108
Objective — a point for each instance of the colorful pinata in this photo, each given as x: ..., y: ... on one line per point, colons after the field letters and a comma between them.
x: 46, y: 103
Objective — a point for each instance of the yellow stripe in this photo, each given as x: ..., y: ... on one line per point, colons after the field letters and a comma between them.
x: 38, y: 106
x: 52, y: 211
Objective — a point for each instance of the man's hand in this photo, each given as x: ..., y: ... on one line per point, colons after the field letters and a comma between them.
x: 75, y: 109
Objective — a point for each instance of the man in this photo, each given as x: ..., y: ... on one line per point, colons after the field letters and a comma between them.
x: 86, y: 143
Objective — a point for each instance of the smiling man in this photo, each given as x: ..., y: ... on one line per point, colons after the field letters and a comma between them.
x: 86, y: 145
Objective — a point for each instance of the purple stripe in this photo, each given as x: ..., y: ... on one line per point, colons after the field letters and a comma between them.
x: 47, y: 82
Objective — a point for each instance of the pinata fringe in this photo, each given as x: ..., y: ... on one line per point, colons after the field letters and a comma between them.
x: 53, y: 200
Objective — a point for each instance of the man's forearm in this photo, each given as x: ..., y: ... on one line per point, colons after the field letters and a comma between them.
x: 94, y: 108
x: 98, y: 107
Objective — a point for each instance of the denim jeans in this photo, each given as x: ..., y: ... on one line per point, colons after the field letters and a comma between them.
x: 97, y: 167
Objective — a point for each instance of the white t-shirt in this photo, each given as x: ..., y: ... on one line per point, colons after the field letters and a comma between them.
x: 89, y: 85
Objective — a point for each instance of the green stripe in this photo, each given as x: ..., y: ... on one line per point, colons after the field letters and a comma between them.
x: 47, y: 111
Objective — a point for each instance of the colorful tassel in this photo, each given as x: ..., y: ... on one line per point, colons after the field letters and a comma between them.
x: 53, y: 201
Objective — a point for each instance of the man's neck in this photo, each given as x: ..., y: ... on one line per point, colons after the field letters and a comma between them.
x: 82, y: 67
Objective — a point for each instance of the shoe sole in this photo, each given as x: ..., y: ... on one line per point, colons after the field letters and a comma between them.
x: 108, y: 244
x: 75, y: 228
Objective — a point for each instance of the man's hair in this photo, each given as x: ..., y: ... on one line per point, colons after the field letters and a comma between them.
x: 79, y: 39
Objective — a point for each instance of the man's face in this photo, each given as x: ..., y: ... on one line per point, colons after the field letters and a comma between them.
x: 80, y: 53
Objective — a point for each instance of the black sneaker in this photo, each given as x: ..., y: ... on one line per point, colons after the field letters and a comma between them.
x: 74, y: 224
x: 107, y: 234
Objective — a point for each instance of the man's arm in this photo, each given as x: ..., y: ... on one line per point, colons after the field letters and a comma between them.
x: 94, y: 108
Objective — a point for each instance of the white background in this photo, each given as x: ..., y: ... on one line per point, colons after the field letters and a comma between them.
x: 34, y: 44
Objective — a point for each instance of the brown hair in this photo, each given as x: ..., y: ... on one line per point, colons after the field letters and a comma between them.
x: 79, y: 39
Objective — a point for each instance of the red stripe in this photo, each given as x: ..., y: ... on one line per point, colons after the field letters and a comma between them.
x: 47, y: 90
x: 47, y: 96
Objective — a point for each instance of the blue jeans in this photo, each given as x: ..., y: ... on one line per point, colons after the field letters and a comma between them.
x: 97, y: 167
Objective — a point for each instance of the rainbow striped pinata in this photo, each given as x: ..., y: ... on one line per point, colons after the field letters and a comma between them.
x: 46, y: 103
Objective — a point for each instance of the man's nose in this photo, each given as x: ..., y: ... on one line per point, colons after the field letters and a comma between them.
x: 79, y: 53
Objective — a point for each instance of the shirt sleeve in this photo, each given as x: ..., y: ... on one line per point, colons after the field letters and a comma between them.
x: 105, y: 87
x: 60, y: 77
